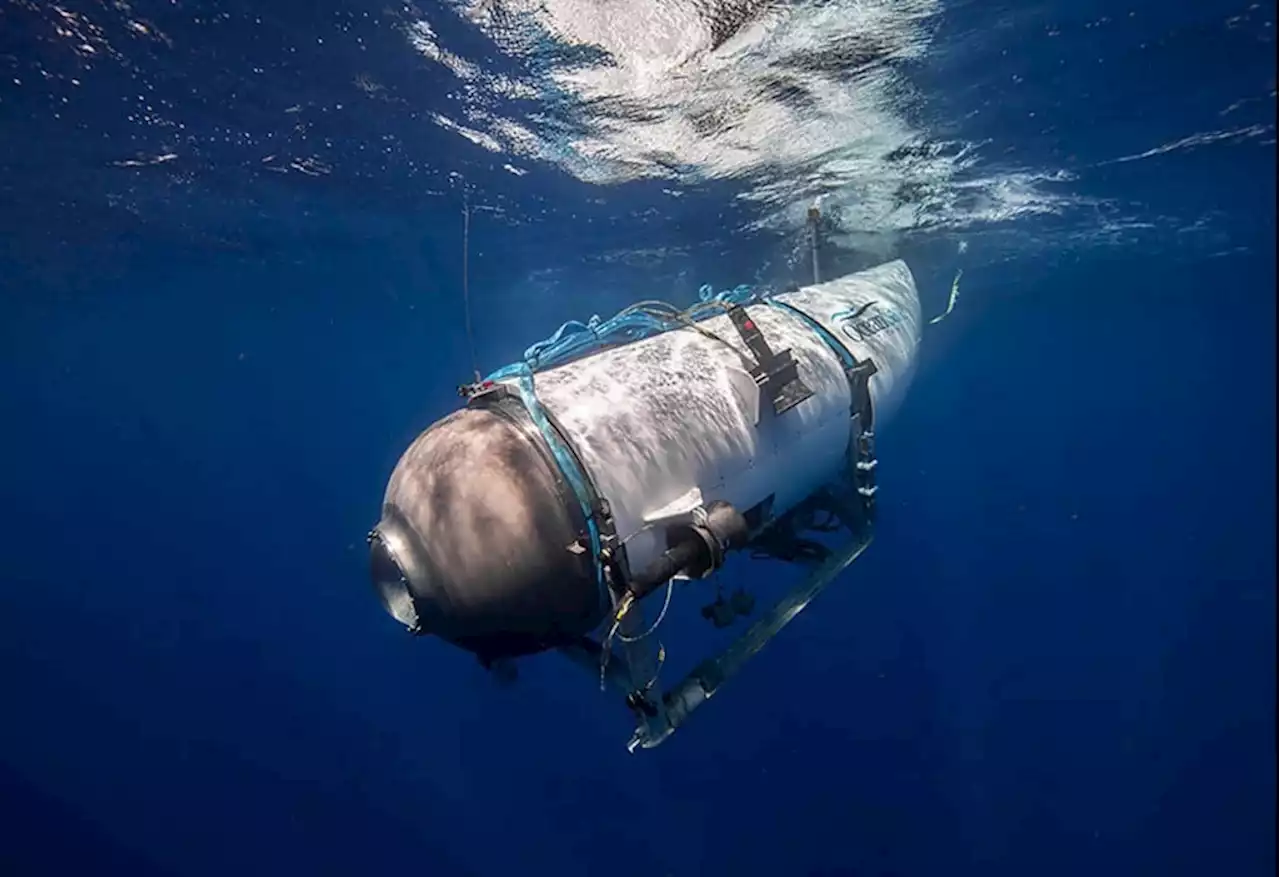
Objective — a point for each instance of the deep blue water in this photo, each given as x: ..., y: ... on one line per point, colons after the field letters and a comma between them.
x: 1059, y: 657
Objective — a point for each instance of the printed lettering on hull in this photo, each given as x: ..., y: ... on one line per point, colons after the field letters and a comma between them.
x: 867, y: 320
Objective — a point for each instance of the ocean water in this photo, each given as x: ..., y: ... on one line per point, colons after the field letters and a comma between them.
x: 231, y: 293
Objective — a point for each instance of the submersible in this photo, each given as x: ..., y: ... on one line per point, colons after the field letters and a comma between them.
x: 623, y: 455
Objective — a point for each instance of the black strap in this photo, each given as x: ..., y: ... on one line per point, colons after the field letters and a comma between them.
x: 775, y: 373
x: 860, y: 391
x: 862, y: 443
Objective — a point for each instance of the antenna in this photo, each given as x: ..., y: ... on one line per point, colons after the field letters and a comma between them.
x: 466, y: 288
x: 815, y: 214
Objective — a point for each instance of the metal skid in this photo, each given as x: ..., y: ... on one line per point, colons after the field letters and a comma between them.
x: 851, y: 503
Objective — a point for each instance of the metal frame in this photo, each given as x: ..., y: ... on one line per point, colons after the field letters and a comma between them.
x: 669, y: 710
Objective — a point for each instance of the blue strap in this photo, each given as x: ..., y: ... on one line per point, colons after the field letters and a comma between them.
x: 568, y: 467
x: 838, y: 348
x: 860, y: 391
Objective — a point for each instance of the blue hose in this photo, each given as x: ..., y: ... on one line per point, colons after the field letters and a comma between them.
x: 574, y: 339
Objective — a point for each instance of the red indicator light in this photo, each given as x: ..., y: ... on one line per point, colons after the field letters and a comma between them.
x: 747, y: 324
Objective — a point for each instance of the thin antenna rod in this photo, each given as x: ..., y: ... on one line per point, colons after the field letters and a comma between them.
x: 466, y: 289
x: 814, y: 215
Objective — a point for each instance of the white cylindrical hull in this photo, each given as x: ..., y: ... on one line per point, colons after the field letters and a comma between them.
x: 673, y: 421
